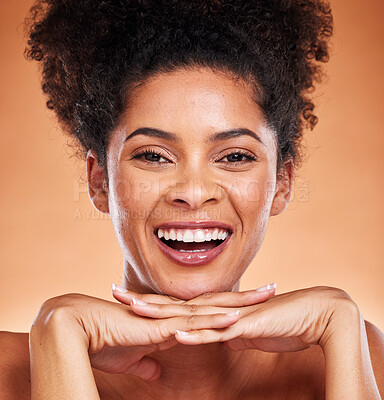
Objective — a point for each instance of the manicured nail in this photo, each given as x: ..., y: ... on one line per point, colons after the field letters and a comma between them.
x: 138, y: 302
x: 270, y: 286
x: 182, y: 333
x: 233, y: 313
x: 118, y: 288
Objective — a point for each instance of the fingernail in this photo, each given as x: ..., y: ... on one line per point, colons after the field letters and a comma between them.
x: 138, y: 302
x: 233, y: 313
x: 270, y: 286
x: 182, y: 333
x: 118, y: 288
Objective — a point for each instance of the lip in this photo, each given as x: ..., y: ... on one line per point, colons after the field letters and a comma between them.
x: 193, y: 259
x: 194, y: 225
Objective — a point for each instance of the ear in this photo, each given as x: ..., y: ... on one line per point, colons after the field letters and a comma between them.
x: 284, y: 187
x: 97, y: 185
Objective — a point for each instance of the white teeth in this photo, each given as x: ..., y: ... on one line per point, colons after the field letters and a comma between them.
x: 188, y: 236
x: 199, y: 236
x: 193, y: 235
x: 193, y: 251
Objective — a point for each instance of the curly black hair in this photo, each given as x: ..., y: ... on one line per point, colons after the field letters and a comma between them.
x: 94, y: 52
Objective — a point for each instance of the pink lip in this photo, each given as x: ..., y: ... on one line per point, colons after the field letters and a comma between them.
x: 189, y: 258
x: 194, y: 225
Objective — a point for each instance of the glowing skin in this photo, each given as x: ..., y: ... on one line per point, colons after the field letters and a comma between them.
x: 191, y: 179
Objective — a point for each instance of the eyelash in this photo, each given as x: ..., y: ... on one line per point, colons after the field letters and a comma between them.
x: 250, y: 157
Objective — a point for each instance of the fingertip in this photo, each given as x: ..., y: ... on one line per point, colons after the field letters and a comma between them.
x: 185, y: 337
x: 118, y: 289
x: 267, y: 288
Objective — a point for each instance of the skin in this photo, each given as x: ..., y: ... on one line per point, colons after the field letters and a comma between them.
x: 277, y: 346
x: 194, y: 185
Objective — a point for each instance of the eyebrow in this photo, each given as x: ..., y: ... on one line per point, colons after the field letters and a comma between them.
x: 215, y: 137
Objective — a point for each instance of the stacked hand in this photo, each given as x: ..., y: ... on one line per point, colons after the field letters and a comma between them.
x: 120, y: 336
x: 287, y: 322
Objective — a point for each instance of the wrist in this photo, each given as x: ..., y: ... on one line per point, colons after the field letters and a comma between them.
x: 349, y: 373
x: 55, y: 325
x: 59, y: 359
x: 345, y: 323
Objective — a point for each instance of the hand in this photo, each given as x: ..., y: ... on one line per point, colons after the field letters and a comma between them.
x: 288, y: 322
x: 119, y: 339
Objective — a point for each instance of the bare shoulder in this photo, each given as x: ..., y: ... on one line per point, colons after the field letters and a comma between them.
x: 15, y: 380
x: 376, y: 349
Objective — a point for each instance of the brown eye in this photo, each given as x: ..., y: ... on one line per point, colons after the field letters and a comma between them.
x: 150, y: 156
x: 235, y: 157
x: 239, y: 157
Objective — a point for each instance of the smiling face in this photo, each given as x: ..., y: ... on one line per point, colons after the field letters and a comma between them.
x: 191, y: 183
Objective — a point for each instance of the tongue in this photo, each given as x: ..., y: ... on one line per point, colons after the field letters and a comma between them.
x: 193, y: 245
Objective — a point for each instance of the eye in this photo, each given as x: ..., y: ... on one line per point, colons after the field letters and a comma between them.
x: 151, y: 157
x: 238, y: 157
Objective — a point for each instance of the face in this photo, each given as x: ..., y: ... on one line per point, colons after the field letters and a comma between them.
x: 191, y: 183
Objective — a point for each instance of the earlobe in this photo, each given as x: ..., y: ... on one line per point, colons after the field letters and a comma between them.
x: 284, y: 188
x: 97, y: 186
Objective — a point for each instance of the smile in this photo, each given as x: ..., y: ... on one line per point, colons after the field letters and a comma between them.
x: 192, y: 246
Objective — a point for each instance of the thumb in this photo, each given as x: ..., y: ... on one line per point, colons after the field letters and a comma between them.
x: 146, y: 368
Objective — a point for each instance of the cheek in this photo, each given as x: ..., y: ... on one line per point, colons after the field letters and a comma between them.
x: 252, y: 199
x: 254, y: 194
x: 131, y: 198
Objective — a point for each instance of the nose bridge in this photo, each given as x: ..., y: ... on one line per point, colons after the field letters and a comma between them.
x: 193, y: 188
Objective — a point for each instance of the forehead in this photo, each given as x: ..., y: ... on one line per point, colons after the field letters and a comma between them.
x: 195, y: 102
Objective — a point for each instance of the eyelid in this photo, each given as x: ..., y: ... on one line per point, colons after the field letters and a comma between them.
x: 140, y: 153
x: 145, y: 149
x: 251, y: 156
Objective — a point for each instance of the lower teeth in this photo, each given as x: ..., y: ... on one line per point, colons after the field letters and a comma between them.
x: 192, y: 251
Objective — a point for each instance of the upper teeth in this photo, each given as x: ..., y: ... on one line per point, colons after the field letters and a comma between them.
x: 193, y: 235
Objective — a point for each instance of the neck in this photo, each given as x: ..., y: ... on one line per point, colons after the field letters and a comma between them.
x: 190, y: 372
x: 201, y: 372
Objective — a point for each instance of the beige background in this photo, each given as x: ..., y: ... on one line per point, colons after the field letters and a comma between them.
x: 53, y: 242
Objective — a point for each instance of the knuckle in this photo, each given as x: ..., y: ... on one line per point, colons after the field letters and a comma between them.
x: 342, y: 294
x: 190, y: 319
x: 334, y: 292
x: 338, y: 299
x: 191, y: 308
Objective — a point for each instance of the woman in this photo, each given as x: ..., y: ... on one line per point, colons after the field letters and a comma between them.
x: 190, y: 114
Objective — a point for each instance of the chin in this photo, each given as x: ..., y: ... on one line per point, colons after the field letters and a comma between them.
x: 187, y: 289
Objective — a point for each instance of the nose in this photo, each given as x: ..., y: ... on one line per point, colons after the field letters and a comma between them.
x: 193, y: 193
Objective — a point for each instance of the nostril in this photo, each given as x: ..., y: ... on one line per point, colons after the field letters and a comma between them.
x: 179, y: 201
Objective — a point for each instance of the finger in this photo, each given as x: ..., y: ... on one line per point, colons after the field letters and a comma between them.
x: 197, y: 322
x: 154, y: 310
x: 236, y: 299
x: 125, y: 296
x: 147, y: 368
x: 204, y: 336
x: 223, y: 299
